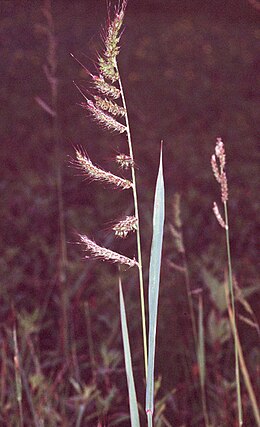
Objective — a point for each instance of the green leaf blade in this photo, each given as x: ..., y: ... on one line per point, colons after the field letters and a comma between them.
x: 154, y: 282
x: 134, y: 415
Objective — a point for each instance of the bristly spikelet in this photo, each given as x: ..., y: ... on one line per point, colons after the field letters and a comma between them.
x: 103, y: 118
x: 111, y: 38
x: 97, y: 174
x: 218, y: 216
x: 220, y: 153
x: 124, y: 161
x: 105, y: 254
x: 110, y: 106
x: 107, y: 69
x: 126, y: 226
x: 219, y: 171
x: 105, y: 88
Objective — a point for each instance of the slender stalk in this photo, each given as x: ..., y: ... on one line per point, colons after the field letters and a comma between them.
x: 231, y: 291
x: 18, y: 378
x: 138, y: 236
x: 245, y: 373
x: 50, y: 70
x: 177, y: 232
x: 90, y: 342
x: 202, y: 364
x: 150, y: 419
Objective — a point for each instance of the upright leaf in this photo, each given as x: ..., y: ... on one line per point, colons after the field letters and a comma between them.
x: 134, y: 416
x: 154, y: 281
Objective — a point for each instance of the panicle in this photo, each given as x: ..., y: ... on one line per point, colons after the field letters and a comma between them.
x: 219, y: 170
x: 105, y: 254
x: 126, y: 226
x: 98, y: 174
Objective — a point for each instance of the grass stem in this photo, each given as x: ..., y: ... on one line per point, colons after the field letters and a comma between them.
x: 231, y: 291
x: 138, y: 236
x: 244, y: 369
x: 18, y: 378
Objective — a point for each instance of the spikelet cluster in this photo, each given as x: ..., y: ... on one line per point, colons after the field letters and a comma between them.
x: 98, y: 174
x: 124, y: 161
x: 105, y: 88
x: 218, y: 164
x: 218, y: 216
x: 219, y: 170
x: 104, y: 110
x: 107, y: 61
x: 110, y: 106
x: 104, y: 119
x: 105, y: 254
x: 126, y: 226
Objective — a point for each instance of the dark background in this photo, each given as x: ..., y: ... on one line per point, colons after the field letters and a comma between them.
x: 189, y: 71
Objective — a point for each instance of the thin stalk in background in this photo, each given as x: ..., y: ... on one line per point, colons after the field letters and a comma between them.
x: 201, y: 361
x: 138, y: 236
x: 18, y: 378
x: 177, y: 233
x: 50, y: 70
x: 234, y: 326
x: 198, y: 337
x: 243, y: 366
x: 218, y: 163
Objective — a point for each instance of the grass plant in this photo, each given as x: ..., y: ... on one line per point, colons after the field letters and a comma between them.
x: 107, y: 113
x: 220, y: 175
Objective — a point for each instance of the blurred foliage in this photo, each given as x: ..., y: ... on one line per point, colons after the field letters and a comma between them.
x: 189, y: 74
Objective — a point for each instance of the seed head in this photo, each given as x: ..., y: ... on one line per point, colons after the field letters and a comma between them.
x: 113, y: 35
x: 215, y: 169
x: 220, y: 153
x: 107, y: 62
x: 124, y: 161
x: 105, y: 88
x: 104, y: 119
x: 224, y: 187
x: 126, y: 226
x: 218, y: 216
x: 98, y: 174
x: 107, y: 69
x: 105, y: 254
x: 110, y: 106
x: 219, y: 169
